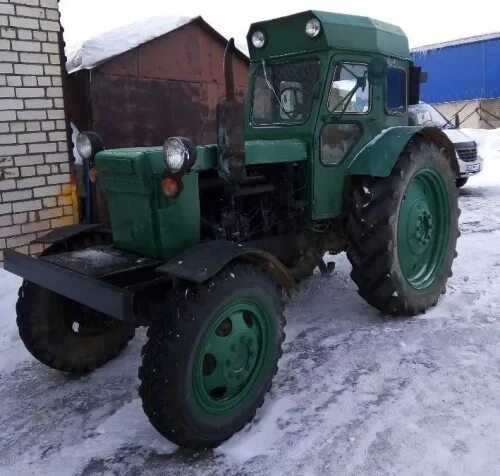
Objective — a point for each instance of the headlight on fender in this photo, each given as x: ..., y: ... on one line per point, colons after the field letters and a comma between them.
x: 88, y: 144
x: 180, y: 155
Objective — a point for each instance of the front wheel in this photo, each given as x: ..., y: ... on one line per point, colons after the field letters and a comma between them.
x: 66, y: 335
x: 403, y: 231
x: 210, y: 360
x: 461, y: 181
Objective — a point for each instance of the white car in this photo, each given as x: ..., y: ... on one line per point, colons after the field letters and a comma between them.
x: 468, y: 159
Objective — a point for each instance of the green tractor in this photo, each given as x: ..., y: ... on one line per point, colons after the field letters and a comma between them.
x: 205, y: 240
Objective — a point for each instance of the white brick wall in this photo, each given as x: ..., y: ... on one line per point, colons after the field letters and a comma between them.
x: 35, y: 190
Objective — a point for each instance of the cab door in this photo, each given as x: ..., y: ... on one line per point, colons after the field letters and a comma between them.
x: 348, y: 119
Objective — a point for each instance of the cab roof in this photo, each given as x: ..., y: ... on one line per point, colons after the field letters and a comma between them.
x: 286, y: 35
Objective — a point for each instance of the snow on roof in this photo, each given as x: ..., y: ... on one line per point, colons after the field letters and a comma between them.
x: 460, y: 41
x: 113, y: 43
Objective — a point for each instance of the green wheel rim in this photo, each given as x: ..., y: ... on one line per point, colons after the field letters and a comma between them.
x: 423, y: 228
x: 232, y: 357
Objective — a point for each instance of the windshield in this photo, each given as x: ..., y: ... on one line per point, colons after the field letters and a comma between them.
x: 283, y: 93
x: 422, y: 113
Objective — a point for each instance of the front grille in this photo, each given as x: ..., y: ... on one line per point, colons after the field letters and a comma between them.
x: 468, y: 155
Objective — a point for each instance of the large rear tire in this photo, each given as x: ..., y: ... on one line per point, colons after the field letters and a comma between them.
x: 403, y: 231
x: 210, y: 359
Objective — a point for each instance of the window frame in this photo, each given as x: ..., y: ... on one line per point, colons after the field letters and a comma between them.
x: 386, y: 101
x: 370, y: 90
x: 348, y: 152
x: 255, y: 125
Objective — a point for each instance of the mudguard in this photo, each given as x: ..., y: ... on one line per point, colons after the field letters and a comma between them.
x: 378, y: 157
x: 201, y: 262
x: 65, y: 232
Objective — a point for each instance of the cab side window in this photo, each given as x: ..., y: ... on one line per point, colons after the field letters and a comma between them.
x: 350, y: 89
x: 396, y: 91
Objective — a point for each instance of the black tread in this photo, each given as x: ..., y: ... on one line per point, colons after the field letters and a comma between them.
x: 371, y: 228
x: 40, y: 320
x: 169, y: 341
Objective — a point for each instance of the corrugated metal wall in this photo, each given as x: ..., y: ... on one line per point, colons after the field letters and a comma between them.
x: 461, y: 72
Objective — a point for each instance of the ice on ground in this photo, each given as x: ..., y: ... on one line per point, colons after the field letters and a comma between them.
x: 11, y: 350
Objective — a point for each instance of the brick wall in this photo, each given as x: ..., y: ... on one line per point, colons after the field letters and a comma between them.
x: 35, y: 190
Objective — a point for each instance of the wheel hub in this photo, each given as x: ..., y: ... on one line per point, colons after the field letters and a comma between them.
x: 419, y: 227
x: 241, y: 360
x: 230, y: 357
x: 423, y: 228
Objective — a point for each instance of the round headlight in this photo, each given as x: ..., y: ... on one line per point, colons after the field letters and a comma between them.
x: 258, y: 39
x: 88, y: 144
x: 313, y: 28
x: 180, y: 154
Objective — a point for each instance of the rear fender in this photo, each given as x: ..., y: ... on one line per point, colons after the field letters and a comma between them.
x: 378, y: 157
x: 204, y: 261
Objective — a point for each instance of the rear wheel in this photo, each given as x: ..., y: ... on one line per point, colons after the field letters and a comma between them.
x: 461, y: 181
x: 210, y: 360
x: 403, y: 231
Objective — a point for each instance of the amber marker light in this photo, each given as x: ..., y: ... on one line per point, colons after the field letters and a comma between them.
x: 93, y: 175
x: 171, y: 187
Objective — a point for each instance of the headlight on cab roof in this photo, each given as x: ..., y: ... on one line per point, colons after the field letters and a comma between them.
x: 313, y: 28
x: 180, y: 154
x: 258, y: 39
x: 88, y: 144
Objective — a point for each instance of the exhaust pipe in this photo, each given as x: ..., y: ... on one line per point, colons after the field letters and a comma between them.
x: 230, y: 121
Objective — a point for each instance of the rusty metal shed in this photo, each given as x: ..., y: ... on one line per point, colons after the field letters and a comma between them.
x: 167, y: 86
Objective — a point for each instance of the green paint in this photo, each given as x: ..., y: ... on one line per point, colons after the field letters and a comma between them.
x: 143, y: 219
x: 231, y: 359
x: 206, y: 157
x: 423, y: 228
x: 275, y: 151
x: 286, y: 36
x: 378, y: 157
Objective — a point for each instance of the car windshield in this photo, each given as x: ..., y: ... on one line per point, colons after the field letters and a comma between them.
x: 283, y: 93
x: 422, y: 113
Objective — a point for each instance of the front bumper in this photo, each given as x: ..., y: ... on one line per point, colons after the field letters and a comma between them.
x: 467, y: 169
x: 96, y: 277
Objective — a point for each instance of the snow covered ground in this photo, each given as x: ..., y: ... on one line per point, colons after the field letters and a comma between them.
x: 356, y: 393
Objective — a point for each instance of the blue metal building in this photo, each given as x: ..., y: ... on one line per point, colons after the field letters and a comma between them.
x: 461, y: 70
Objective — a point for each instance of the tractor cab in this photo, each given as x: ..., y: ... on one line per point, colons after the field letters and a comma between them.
x: 323, y: 85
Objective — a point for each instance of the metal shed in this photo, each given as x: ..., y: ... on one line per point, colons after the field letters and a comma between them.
x: 464, y: 78
x: 461, y: 70
x: 167, y: 86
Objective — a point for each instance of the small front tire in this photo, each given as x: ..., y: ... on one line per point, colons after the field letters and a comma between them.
x: 210, y: 359
x: 461, y: 181
x: 66, y: 335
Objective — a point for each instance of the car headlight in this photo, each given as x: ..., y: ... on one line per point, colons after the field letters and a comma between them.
x: 258, y: 39
x: 180, y: 154
x: 313, y: 28
x: 88, y: 144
